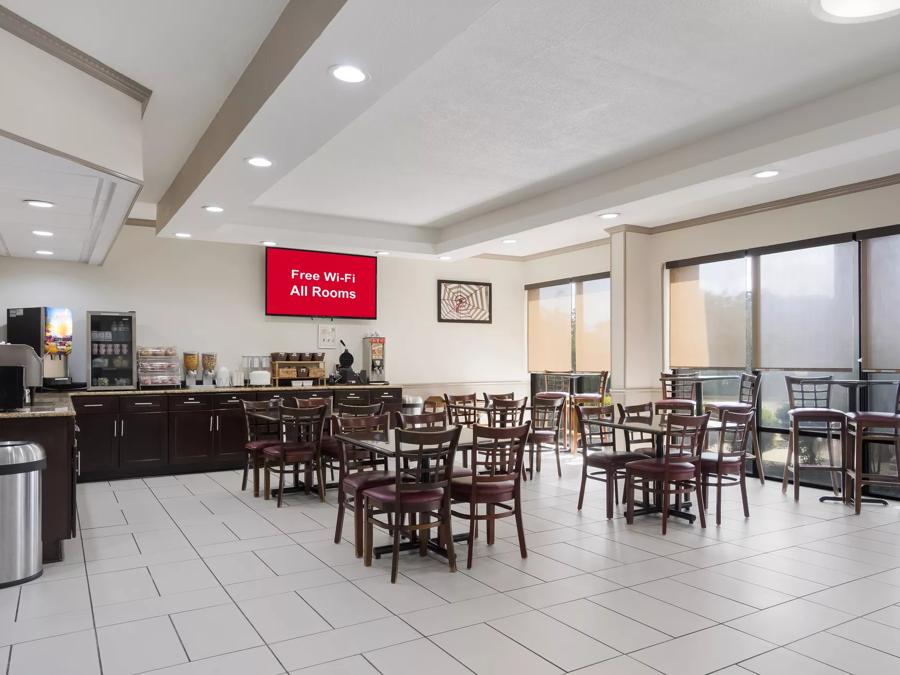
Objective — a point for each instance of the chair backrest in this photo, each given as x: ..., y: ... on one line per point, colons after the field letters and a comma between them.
x: 546, y: 413
x: 429, y: 420
x: 814, y: 393
x: 507, y: 412
x: 461, y: 408
x: 497, y: 453
x: 373, y: 424
x: 254, y: 428
x: 595, y: 437
x: 302, y: 425
x: 347, y: 410
x: 490, y: 398
x: 638, y: 441
x: 423, y: 459
x: 733, y: 434
x: 749, y: 389
x: 674, y: 386
x: 434, y: 404
x: 684, y: 437
x: 603, y: 384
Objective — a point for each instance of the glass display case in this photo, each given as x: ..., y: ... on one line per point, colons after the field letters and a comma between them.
x: 111, y: 350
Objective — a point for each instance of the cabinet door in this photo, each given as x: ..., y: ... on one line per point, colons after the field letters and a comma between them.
x: 98, y: 443
x: 229, y: 429
x: 143, y: 440
x: 190, y: 437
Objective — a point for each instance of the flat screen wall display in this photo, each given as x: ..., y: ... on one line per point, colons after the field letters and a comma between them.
x: 316, y: 283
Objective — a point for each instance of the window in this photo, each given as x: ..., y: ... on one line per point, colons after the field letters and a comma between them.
x: 568, y: 325
x: 881, y: 299
x: 708, y: 314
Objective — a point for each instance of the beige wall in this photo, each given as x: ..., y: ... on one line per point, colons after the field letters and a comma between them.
x: 581, y: 262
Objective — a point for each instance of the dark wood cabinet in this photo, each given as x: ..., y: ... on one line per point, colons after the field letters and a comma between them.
x: 392, y: 398
x: 351, y: 397
x: 191, y: 437
x: 229, y: 436
x: 143, y: 441
x: 98, y: 443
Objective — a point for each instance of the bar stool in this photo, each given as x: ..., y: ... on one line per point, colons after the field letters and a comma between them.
x: 810, y: 404
x: 871, y: 427
x: 748, y: 394
x: 679, y: 395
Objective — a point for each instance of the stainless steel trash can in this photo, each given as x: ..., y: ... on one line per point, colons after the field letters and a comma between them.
x: 21, y: 551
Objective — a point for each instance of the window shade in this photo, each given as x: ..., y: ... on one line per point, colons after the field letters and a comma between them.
x: 592, y: 338
x: 807, y: 308
x: 881, y: 301
x: 550, y: 328
x: 707, y: 315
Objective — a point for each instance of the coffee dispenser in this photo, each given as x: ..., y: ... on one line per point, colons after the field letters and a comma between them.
x: 373, y: 359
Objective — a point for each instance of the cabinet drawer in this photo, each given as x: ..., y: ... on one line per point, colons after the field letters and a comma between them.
x: 135, y: 404
x: 228, y: 401
x: 315, y: 393
x: 190, y: 402
x: 351, y: 396
x: 281, y: 393
x: 95, y: 405
x: 386, y: 395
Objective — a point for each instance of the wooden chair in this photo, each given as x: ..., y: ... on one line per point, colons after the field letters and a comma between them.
x: 504, y: 412
x: 812, y: 415
x: 748, y: 395
x: 729, y: 463
x: 422, y: 490
x: 638, y: 441
x: 463, y: 409
x: 258, y: 434
x: 591, y: 399
x: 546, y: 422
x: 434, y: 404
x: 866, y: 428
x: 302, y: 430
x: 358, y: 471
x: 432, y: 420
x: 495, y: 480
x: 370, y: 410
x: 678, y: 395
x: 678, y: 470
x: 598, y: 447
x: 490, y: 398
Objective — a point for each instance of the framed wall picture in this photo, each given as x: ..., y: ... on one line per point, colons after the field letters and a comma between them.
x: 327, y: 336
x: 464, y: 301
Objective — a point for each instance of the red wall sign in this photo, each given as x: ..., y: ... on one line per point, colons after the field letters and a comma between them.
x: 314, y: 283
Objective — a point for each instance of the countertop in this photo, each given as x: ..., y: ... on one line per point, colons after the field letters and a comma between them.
x: 45, y: 405
x: 225, y: 390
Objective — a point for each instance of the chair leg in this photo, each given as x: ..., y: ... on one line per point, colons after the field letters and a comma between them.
x: 359, y: 520
x: 490, y: 524
x: 520, y: 529
x: 395, y: 552
x: 701, y: 504
x: 584, y: 482
x: 531, y: 462
x: 757, y: 453
x: 744, y: 493
x: 447, y: 527
x: 610, y: 489
x: 787, y: 460
x: 558, y: 465
x: 339, y: 524
x: 424, y: 535
x: 797, y: 471
x: 629, y: 488
x: 320, y: 471
x: 473, y: 513
x: 705, y: 482
x: 615, y: 481
x: 369, y: 532
x: 718, y: 499
x: 281, y: 485
x: 665, y: 505
x: 256, y: 476
x: 266, y: 486
x: 246, y: 472
x: 834, y: 477
x: 858, y: 470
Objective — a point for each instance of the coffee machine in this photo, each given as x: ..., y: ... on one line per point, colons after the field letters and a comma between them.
x: 20, y: 374
x: 373, y: 359
x: 48, y: 331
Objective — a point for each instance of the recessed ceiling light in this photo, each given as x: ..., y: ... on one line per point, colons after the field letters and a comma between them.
x: 183, y: 235
x: 349, y: 74
x: 445, y: 257
x: 213, y: 209
x: 382, y: 252
x: 39, y: 203
x: 768, y: 173
x: 269, y: 243
x: 41, y: 233
x: 609, y: 216
x: 509, y: 241
x: 259, y: 161
x: 854, y: 11
x: 44, y: 252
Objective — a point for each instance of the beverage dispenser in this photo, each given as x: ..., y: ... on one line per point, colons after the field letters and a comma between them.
x: 373, y: 359
x: 48, y: 331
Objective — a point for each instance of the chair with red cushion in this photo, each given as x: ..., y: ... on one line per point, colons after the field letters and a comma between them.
x: 866, y: 428
x: 748, y: 394
x: 302, y: 430
x: 679, y: 394
x: 259, y: 434
x: 495, y: 480
x: 359, y: 470
x: 600, y: 459
x: 677, y: 471
x: 729, y: 462
x: 420, y: 492
x: 811, y: 414
x: 546, y: 427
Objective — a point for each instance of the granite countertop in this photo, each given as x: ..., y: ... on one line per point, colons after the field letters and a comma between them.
x: 224, y: 390
x: 44, y: 405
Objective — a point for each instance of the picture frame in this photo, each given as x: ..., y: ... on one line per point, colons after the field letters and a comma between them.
x: 327, y: 336
x: 464, y: 301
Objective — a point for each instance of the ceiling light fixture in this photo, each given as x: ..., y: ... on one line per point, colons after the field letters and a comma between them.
x: 41, y: 233
x: 509, y: 241
x: 445, y: 257
x: 349, y: 74
x: 261, y: 162
x: 609, y: 216
x: 213, y: 209
x: 44, y: 252
x: 382, y: 252
x: 183, y: 235
x: 768, y: 173
x: 39, y: 203
x: 269, y: 243
x: 854, y: 11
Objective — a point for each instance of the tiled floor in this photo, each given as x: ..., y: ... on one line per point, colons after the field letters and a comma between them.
x: 187, y: 575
